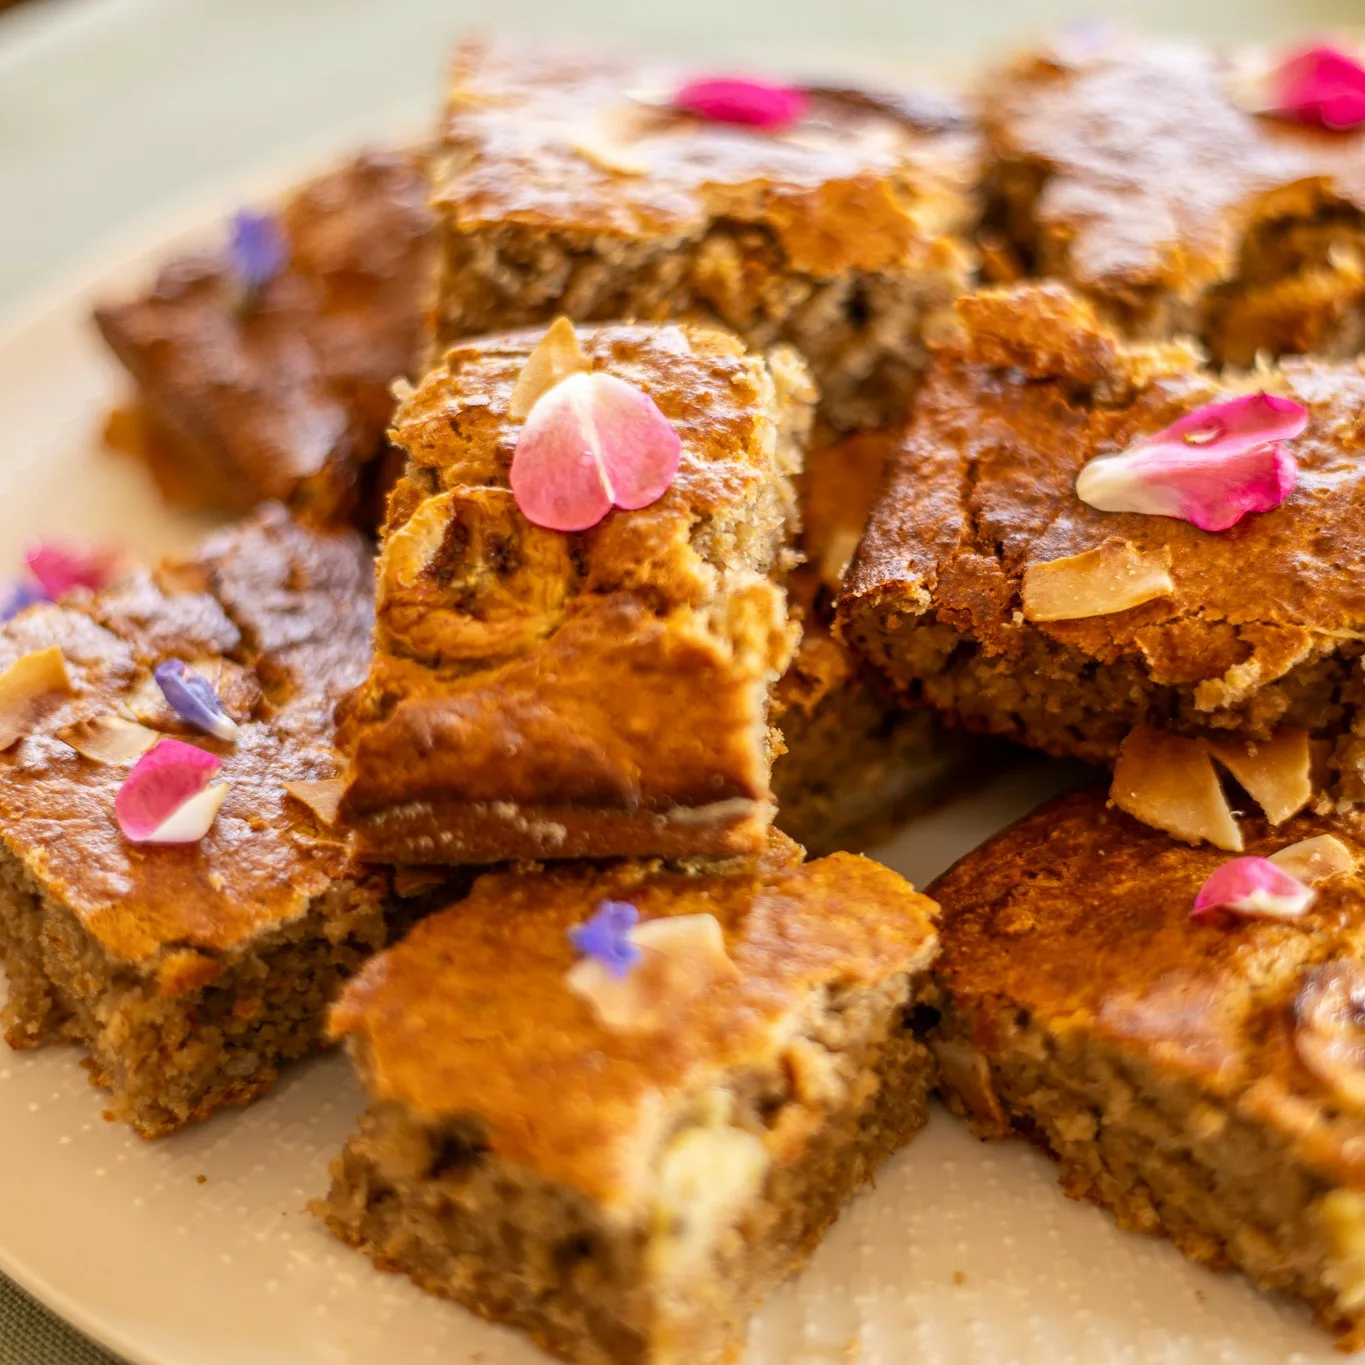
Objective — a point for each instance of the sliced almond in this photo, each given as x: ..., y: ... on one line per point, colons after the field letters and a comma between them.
x: 109, y: 739
x: 1315, y: 860
x: 557, y: 355
x: 1115, y: 576
x: 24, y: 686
x: 1275, y: 771
x: 1169, y: 783
x: 322, y: 798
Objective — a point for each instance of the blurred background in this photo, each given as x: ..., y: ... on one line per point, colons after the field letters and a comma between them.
x: 115, y: 112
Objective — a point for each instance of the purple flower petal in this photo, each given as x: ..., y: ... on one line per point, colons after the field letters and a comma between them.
x: 18, y: 597
x: 605, y: 938
x: 754, y: 104
x: 257, y: 250
x: 192, y: 698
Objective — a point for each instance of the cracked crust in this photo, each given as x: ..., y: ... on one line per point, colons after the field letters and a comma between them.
x: 601, y: 694
x: 1133, y: 174
x: 290, y: 402
x: 559, y: 191
x: 1266, y: 622
x: 190, y: 972
x: 1155, y: 1056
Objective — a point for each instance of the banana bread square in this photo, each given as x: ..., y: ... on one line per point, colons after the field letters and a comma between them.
x: 285, y: 395
x: 1141, y: 173
x: 188, y: 973
x: 853, y: 760
x: 566, y: 183
x: 1251, y: 631
x: 601, y: 693
x: 622, y: 1175
x: 1200, y: 1077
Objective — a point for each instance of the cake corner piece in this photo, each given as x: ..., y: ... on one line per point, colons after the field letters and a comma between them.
x: 622, y: 1168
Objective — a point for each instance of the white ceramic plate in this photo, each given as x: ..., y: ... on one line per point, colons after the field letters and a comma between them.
x: 197, y: 1250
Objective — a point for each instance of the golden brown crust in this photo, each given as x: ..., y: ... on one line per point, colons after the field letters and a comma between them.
x: 265, y: 856
x: 1080, y: 916
x: 1135, y: 173
x: 860, y: 184
x: 470, y: 1015
x: 537, y: 694
x: 1263, y: 617
x: 292, y: 401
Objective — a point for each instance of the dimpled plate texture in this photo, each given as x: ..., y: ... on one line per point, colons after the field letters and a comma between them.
x: 197, y: 1250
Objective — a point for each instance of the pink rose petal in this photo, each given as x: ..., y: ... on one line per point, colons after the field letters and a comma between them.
x: 1255, y: 887
x: 1323, y: 86
x: 1210, y: 468
x: 171, y: 796
x: 61, y: 569
x: 755, y: 104
x: 591, y: 443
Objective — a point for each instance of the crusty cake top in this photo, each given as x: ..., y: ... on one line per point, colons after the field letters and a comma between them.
x: 983, y: 489
x: 282, y: 612
x: 1151, y: 171
x: 297, y: 390
x: 1077, y: 920
x: 470, y: 1017
x: 569, y: 145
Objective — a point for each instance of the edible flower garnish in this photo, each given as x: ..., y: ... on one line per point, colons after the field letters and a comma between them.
x: 678, y: 958
x: 257, y: 252
x: 191, y: 696
x: 61, y: 569
x: 171, y: 796
x: 591, y: 443
x: 754, y: 104
x: 605, y: 938
x: 19, y: 596
x: 1322, y: 85
x: 1210, y: 468
x: 1255, y: 887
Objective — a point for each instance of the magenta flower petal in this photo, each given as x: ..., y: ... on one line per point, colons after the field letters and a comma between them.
x: 1255, y: 887
x: 1321, y: 85
x: 61, y: 569
x: 1210, y: 468
x: 171, y: 796
x: 590, y: 443
x: 755, y: 104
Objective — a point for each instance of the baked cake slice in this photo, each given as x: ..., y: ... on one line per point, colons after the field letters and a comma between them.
x: 187, y: 973
x: 569, y: 183
x: 988, y: 587
x: 1154, y: 176
x: 622, y: 1166
x: 604, y: 692
x: 853, y: 760
x: 1200, y: 1075
x: 262, y: 370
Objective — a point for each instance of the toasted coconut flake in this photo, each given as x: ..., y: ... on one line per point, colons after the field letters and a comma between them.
x: 610, y: 142
x: 557, y: 355
x: 1275, y: 771
x: 1315, y: 860
x: 322, y: 798
x: 1169, y: 783
x: 109, y: 739
x: 1329, y: 1035
x: 681, y: 957
x: 1115, y: 576
x: 25, y: 686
